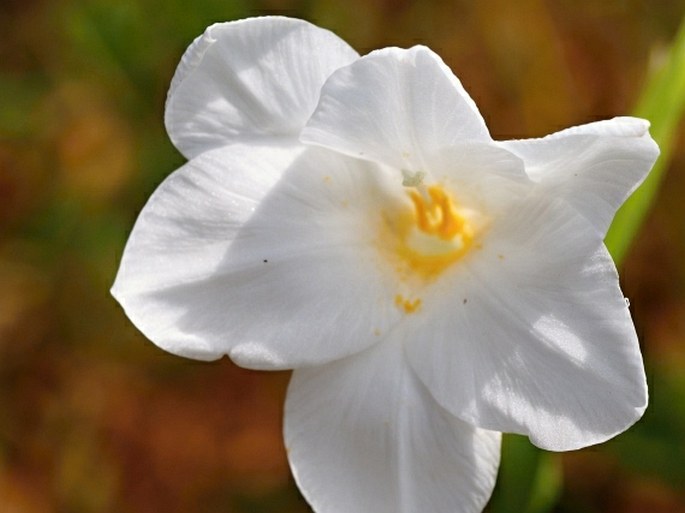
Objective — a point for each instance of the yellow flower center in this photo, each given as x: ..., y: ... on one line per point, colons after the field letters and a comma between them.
x: 437, y: 215
x: 433, y: 235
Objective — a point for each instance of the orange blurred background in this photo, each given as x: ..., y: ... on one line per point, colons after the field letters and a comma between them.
x: 94, y: 418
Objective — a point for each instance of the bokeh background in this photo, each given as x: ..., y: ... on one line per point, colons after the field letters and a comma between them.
x: 94, y: 418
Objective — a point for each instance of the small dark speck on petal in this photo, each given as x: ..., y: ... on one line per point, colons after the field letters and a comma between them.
x: 265, y: 261
x: 465, y: 300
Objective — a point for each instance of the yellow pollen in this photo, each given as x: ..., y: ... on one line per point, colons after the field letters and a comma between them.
x: 407, y: 305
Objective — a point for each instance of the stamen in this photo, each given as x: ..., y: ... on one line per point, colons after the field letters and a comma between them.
x: 434, y: 234
x: 438, y: 216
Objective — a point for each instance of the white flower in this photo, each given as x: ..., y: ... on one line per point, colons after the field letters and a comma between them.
x: 352, y: 219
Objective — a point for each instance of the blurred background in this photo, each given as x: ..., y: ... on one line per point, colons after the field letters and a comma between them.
x: 94, y: 418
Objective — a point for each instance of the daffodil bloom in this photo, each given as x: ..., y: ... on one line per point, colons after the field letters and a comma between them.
x: 352, y: 219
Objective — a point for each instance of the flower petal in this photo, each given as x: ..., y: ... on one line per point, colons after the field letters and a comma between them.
x: 485, y: 176
x: 264, y: 253
x: 250, y: 79
x: 393, y: 106
x: 595, y: 167
x: 532, y: 335
x: 364, y: 435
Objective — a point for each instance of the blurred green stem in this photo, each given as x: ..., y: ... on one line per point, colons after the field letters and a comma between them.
x: 662, y: 102
x: 529, y: 480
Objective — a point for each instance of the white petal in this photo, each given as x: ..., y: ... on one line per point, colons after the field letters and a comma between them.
x: 532, y: 335
x: 594, y: 167
x: 364, y: 436
x: 250, y: 79
x: 394, y: 106
x: 483, y: 176
x: 265, y: 254
x: 621, y: 126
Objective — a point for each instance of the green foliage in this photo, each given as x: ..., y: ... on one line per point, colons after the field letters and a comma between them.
x: 529, y: 479
x: 662, y: 102
x: 655, y: 446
